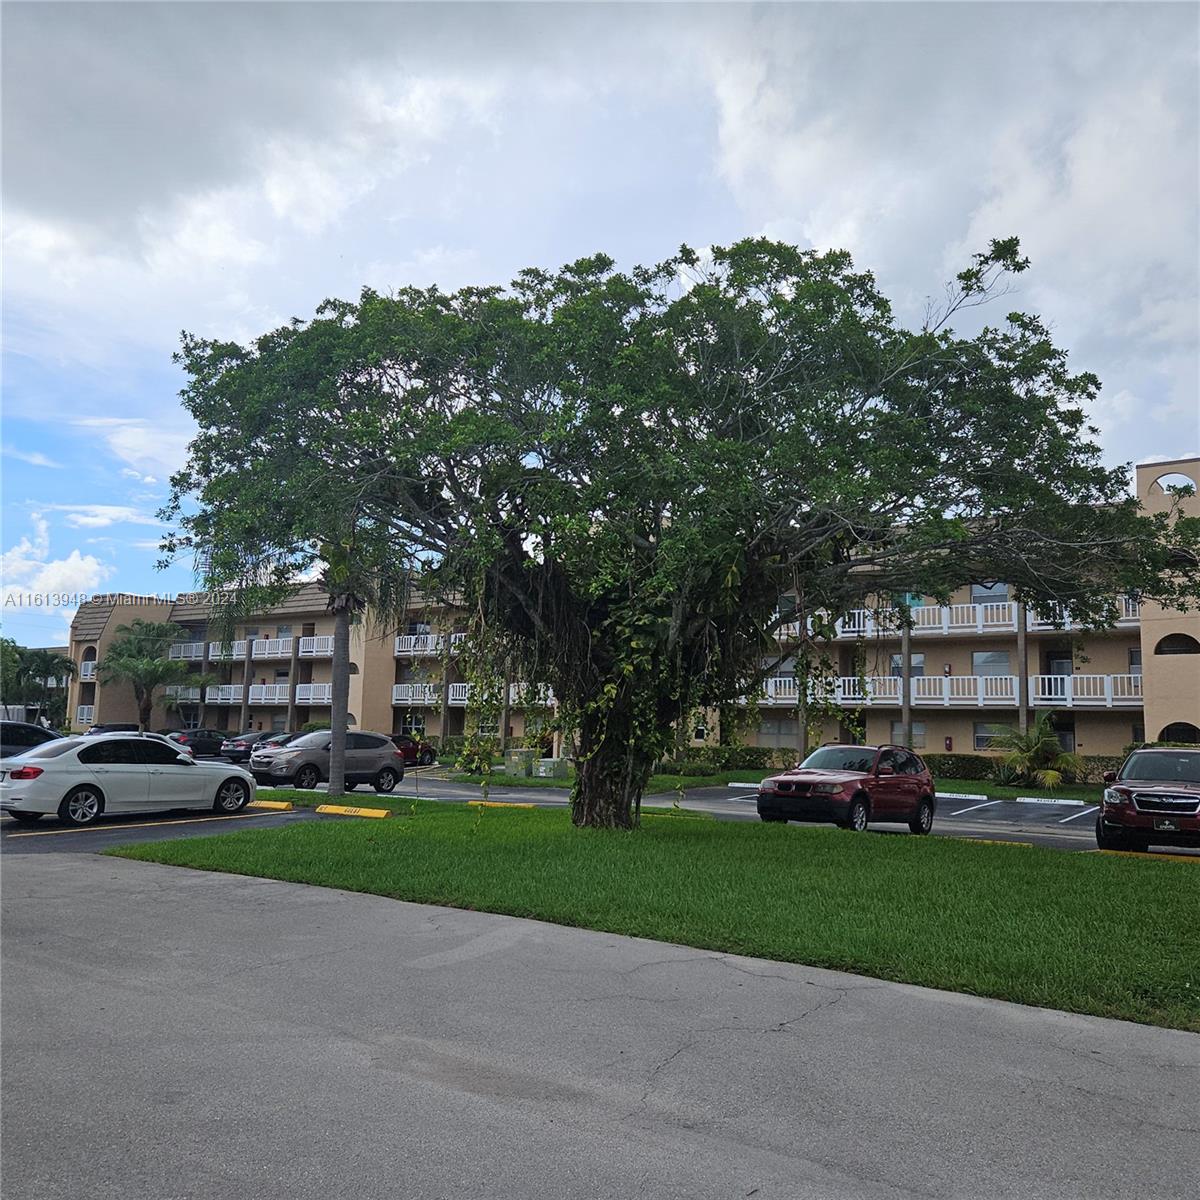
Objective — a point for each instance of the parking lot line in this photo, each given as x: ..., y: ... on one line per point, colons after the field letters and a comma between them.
x: 975, y: 806
x: 139, y: 825
x: 1076, y: 816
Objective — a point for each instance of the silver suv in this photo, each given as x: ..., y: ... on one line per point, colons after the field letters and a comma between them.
x: 303, y: 763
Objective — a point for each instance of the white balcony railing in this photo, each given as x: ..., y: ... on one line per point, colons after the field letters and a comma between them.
x: 992, y: 616
x: 85, y: 714
x: 270, y: 693
x: 316, y: 647
x: 189, y: 651
x: 460, y: 693
x: 225, y: 693
x: 314, y: 693
x: 1086, y: 691
x: 272, y: 648
x: 538, y: 697
x: 87, y: 671
x: 226, y: 651
x: 181, y: 694
x: 415, y: 693
x: 417, y: 645
x: 964, y: 691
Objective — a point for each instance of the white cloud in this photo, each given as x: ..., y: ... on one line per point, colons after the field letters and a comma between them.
x: 27, y: 568
x: 35, y: 458
x: 99, y: 516
x: 142, y: 444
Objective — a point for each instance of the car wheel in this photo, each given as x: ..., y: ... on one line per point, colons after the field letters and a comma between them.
x: 26, y: 818
x: 81, y: 806
x: 232, y: 795
x: 1117, y: 839
x: 386, y: 780
x: 426, y: 759
x: 922, y: 821
x: 858, y: 816
x: 348, y: 786
x: 308, y: 778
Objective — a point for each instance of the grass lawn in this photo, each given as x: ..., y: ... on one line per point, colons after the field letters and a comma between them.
x: 1091, y: 792
x: 1107, y: 935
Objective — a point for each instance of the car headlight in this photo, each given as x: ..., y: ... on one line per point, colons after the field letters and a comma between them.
x: 1115, y: 796
x: 826, y: 789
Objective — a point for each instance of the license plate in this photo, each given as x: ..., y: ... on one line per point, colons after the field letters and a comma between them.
x: 1166, y: 825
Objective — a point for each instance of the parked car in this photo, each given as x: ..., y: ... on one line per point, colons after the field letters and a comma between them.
x: 1154, y: 799
x: 199, y: 741
x: 113, y: 727
x: 237, y: 748
x: 263, y: 751
x: 79, y: 778
x: 304, y: 762
x: 18, y: 736
x: 852, y: 786
x: 416, y: 752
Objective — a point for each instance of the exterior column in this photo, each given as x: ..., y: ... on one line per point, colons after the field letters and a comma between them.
x: 247, y: 671
x: 1022, y: 669
x: 906, y: 735
x: 204, y: 665
x: 293, y: 671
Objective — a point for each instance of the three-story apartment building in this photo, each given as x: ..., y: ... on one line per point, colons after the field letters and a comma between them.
x: 1137, y: 680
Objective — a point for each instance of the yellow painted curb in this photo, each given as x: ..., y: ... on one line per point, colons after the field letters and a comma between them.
x: 1192, y: 858
x: 346, y: 810
x: 273, y: 805
x: 498, y: 804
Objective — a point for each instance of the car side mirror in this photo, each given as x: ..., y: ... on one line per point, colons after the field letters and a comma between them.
x: 1109, y: 777
x: 185, y: 758
x: 885, y: 771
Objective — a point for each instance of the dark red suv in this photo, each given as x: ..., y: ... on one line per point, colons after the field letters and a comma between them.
x: 1153, y: 799
x: 415, y: 751
x: 852, y: 786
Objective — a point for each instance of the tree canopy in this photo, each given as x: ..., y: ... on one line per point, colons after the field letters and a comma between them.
x: 623, y: 472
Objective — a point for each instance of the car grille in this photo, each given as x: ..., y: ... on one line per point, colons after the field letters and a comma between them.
x: 1158, y: 802
x: 794, y: 789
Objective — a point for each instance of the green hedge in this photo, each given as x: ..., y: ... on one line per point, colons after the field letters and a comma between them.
x: 961, y: 766
x: 734, y: 758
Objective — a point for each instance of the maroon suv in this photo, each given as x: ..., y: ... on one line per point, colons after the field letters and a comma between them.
x: 1153, y: 798
x: 851, y: 786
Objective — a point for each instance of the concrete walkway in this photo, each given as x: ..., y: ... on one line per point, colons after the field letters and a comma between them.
x: 170, y: 1034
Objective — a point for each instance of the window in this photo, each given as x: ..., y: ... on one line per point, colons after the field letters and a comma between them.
x: 413, y: 723
x: 781, y: 730
x: 157, y: 754
x: 1135, y: 660
x: 990, y: 662
x: 893, y: 759
x: 840, y: 758
x: 488, y: 728
x: 113, y: 750
x: 700, y: 732
x: 918, y: 734
x: 910, y: 764
x: 419, y: 628
x: 279, y: 723
x: 986, y: 593
x: 51, y: 749
x: 281, y: 675
x: 1180, y: 731
x: 284, y: 631
x: 985, y: 731
x: 1178, y: 643
x: 916, y: 665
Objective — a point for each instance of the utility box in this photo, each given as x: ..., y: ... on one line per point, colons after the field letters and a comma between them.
x: 550, y: 768
x: 519, y: 762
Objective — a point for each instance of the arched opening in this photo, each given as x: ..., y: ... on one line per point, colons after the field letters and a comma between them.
x: 354, y: 668
x: 1177, y: 643
x: 1180, y: 731
x: 1170, y: 480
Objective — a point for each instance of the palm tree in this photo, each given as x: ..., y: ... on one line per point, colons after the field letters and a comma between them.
x: 35, y: 670
x: 1037, y: 756
x: 138, y: 656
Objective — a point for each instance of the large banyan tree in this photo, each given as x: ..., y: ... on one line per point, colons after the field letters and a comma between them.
x: 620, y: 474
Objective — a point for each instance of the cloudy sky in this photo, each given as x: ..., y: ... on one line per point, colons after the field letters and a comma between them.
x: 221, y: 168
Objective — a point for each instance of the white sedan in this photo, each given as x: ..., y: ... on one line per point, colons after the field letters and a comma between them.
x: 78, y: 778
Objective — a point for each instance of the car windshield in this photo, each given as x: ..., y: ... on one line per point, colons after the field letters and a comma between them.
x: 278, y: 739
x: 311, y: 739
x: 840, y: 758
x: 1183, y: 767
x: 51, y: 749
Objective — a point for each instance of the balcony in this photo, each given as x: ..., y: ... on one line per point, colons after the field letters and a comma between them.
x: 188, y: 651
x: 87, y: 671
x: 993, y: 616
x: 964, y: 691
x: 416, y: 693
x: 182, y: 694
x: 314, y: 693
x: 270, y: 693
x: 226, y: 651
x: 85, y: 714
x: 418, y: 645
x: 271, y: 648
x: 527, y: 697
x: 460, y: 693
x: 316, y: 647
x: 225, y: 693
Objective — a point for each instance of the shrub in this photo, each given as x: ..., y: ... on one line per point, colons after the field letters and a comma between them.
x: 314, y: 726
x: 1006, y: 774
x: 734, y: 758
x: 960, y: 766
x: 1094, y: 766
x: 475, y: 757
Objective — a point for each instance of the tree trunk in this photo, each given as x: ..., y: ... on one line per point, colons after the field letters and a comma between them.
x: 145, y: 707
x: 340, y: 701
x: 610, y: 774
